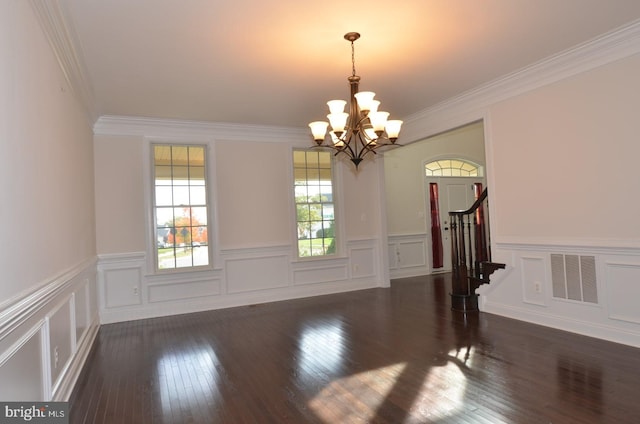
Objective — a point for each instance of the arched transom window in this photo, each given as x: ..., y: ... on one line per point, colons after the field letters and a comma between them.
x: 452, y: 168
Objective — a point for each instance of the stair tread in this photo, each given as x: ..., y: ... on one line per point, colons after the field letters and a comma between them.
x: 493, y: 264
x: 480, y: 280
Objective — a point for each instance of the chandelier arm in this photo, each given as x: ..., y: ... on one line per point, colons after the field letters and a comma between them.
x: 364, y: 152
x: 362, y: 120
x: 348, y: 135
x: 366, y: 146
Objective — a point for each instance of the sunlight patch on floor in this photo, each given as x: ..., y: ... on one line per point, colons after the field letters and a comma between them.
x: 200, y: 365
x: 442, y: 393
x: 322, y: 346
x: 355, y: 398
x: 439, y: 392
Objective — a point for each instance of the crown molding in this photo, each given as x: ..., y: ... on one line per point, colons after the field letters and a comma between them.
x: 173, y: 128
x: 64, y: 44
x: 471, y: 105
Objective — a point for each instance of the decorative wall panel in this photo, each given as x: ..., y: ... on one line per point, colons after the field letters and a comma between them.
x: 244, y: 275
x: 164, y: 292
x: 317, y: 274
x: 61, y: 340
x: 362, y: 264
x: 122, y: 287
x: 408, y: 255
x: 21, y: 371
x: 623, y: 291
x: 533, y: 279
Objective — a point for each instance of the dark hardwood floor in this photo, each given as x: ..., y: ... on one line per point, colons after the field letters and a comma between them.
x: 395, y: 355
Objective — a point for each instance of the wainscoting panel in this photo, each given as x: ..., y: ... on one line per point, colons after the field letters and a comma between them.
x: 21, y: 368
x: 250, y: 274
x: 591, y: 290
x: 408, y: 255
x: 122, y: 286
x: 623, y: 290
x: 83, y: 307
x: 362, y: 262
x: 533, y: 280
x: 61, y: 340
x: 313, y: 273
x: 164, y: 292
x: 412, y: 254
x: 46, y: 335
x: 392, y: 254
x: 244, y: 276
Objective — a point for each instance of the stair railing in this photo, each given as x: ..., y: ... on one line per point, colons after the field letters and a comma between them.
x: 470, y: 253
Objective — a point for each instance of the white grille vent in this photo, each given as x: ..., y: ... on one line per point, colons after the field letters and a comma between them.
x: 574, y: 277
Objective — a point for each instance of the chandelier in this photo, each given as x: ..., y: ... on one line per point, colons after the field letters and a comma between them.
x: 361, y: 131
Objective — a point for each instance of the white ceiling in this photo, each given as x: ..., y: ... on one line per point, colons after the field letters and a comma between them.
x: 277, y: 62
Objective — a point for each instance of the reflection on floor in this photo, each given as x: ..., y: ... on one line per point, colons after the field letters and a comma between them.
x: 397, y: 355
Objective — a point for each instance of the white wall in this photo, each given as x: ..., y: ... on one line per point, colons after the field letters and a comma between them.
x: 48, y: 316
x: 253, y: 193
x: 575, y: 145
x: 254, y: 230
x: 120, y: 206
x: 566, y: 182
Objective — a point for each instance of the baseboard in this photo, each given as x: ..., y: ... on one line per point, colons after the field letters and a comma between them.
x: 585, y: 328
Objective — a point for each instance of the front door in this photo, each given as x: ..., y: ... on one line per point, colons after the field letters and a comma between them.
x: 455, y: 193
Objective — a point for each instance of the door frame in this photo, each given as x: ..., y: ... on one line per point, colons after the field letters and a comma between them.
x: 430, y: 179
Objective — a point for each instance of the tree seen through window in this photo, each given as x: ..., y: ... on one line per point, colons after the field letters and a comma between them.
x: 315, y: 216
x: 180, y: 206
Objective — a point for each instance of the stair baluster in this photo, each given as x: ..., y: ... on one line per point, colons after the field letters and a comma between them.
x: 470, y: 254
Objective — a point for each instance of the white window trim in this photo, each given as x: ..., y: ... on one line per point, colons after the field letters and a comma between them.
x: 212, y: 201
x: 338, y: 210
x: 481, y: 167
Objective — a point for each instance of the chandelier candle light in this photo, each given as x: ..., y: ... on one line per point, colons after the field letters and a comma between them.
x: 361, y: 131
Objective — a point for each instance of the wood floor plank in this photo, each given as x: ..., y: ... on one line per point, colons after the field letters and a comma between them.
x: 396, y: 355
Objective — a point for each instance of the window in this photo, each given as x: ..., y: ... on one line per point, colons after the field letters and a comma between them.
x: 313, y: 185
x: 452, y: 168
x: 180, y: 206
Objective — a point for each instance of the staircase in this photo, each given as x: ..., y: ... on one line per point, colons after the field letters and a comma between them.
x: 470, y: 254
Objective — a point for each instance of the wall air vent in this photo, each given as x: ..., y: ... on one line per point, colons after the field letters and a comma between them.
x: 574, y: 277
